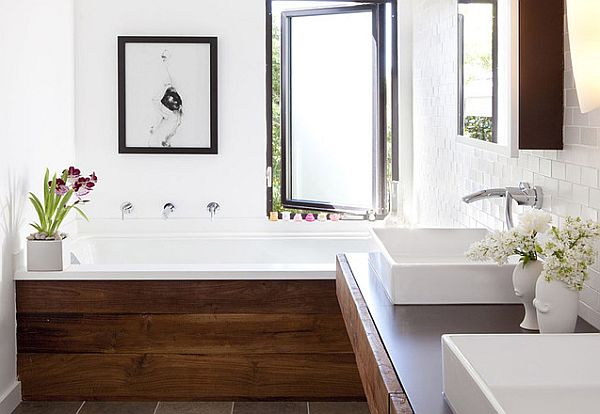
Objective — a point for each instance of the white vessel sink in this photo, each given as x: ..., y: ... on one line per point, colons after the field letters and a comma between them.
x: 428, y: 266
x: 522, y: 374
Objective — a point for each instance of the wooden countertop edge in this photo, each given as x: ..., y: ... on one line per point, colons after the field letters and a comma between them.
x: 382, y: 386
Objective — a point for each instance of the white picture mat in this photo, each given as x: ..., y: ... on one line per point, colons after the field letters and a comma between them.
x: 146, y: 81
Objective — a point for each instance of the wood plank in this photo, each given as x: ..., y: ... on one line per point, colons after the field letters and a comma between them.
x: 375, y: 368
x: 177, y: 296
x: 399, y: 404
x: 299, y: 377
x: 541, y: 74
x: 182, y: 334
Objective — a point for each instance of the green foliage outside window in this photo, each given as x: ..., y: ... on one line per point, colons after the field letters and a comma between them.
x: 479, y: 127
x: 276, y: 135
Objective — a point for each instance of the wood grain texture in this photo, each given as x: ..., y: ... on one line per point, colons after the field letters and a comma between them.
x: 182, y: 334
x: 183, y: 340
x: 399, y: 404
x: 205, y: 296
x: 376, y: 371
x: 541, y: 74
x: 188, y: 377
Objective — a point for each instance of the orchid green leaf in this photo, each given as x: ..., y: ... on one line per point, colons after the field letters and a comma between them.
x: 81, y: 213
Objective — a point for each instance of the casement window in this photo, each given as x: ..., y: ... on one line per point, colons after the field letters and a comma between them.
x: 478, y: 69
x: 332, y: 105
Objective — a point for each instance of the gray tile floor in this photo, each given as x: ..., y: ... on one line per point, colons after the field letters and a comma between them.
x: 105, y: 407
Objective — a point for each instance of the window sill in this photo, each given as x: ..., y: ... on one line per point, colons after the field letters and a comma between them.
x: 500, y: 149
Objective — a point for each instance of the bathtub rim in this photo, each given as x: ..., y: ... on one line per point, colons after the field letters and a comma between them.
x: 191, y: 271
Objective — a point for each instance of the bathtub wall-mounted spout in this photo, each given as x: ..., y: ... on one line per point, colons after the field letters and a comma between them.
x: 167, y: 210
x: 212, y: 208
x: 126, y: 208
x: 524, y: 195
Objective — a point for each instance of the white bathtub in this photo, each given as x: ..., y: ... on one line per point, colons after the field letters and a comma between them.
x: 249, y: 250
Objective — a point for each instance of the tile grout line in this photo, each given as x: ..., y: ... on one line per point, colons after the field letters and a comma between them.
x: 156, y: 408
x: 80, y: 407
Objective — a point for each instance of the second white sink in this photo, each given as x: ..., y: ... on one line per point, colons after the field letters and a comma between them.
x: 428, y: 266
x: 522, y: 374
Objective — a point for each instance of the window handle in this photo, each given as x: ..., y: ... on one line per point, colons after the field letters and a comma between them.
x: 269, y: 176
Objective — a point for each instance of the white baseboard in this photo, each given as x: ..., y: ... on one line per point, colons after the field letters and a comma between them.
x: 10, y: 399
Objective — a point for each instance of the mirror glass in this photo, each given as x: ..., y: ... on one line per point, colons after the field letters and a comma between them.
x: 478, y: 70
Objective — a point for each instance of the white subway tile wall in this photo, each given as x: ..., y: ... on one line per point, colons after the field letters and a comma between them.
x: 446, y: 170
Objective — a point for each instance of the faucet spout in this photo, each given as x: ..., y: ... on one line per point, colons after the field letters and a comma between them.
x: 483, y: 194
x: 524, y: 195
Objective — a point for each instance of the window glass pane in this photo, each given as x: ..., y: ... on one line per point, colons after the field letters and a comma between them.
x: 478, y: 62
x: 332, y: 108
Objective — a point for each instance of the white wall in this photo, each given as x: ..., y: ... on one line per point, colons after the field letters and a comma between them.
x: 445, y: 170
x: 36, y: 114
x: 234, y: 177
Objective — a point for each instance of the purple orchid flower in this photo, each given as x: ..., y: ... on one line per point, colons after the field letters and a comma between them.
x: 61, y: 187
x: 73, y: 173
x: 84, y: 185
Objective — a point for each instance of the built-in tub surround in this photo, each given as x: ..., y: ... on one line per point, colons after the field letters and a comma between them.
x: 191, y: 310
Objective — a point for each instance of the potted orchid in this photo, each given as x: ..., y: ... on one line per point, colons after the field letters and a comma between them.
x: 523, y: 242
x: 61, y: 195
x: 568, y: 253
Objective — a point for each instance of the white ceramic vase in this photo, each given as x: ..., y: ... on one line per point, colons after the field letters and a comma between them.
x: 557, y: 306
x: 47, y: 255
x: 524, y: 280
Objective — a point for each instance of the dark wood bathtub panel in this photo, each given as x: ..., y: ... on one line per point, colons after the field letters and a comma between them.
x: 206, y: 296
x: 155, y: 377
x: 190, y: 340
x: 183, y: 334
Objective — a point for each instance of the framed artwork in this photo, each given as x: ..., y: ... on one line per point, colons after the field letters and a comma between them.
x: 168, y: 95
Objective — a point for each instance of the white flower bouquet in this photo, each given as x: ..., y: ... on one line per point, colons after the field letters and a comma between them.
x: 570, y: 251
x: 521, y: 241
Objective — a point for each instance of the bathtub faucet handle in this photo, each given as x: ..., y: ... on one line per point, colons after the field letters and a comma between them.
x: 126, y: 208
x: 212, y: 208
x: 167, y: 210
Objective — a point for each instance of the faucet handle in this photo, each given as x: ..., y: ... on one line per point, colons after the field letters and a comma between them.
x: 126, y: 208
x: 168, y: 209
x: 212, y: 208
x: 524, y: 186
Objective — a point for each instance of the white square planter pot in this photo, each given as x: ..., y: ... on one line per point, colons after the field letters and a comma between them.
x: 47, y: 255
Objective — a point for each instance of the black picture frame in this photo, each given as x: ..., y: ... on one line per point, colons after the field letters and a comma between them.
x: 122, y: 41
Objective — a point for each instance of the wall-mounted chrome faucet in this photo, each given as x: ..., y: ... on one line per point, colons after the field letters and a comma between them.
x: 212, y: 208
x: 126, y: 208
x: 524, y: 195
x: 167, y: 210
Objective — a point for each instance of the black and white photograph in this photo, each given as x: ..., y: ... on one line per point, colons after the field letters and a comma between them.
x: 167, y: 95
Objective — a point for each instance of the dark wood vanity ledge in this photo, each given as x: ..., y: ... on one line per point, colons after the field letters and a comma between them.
x: 398, y: 348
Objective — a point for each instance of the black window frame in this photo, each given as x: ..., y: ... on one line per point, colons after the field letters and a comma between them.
x: 380, y: 193
x: 461, y: 64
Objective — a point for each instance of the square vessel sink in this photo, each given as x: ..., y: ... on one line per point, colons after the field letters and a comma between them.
x: 522, y: 374
x: 428, y: 266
